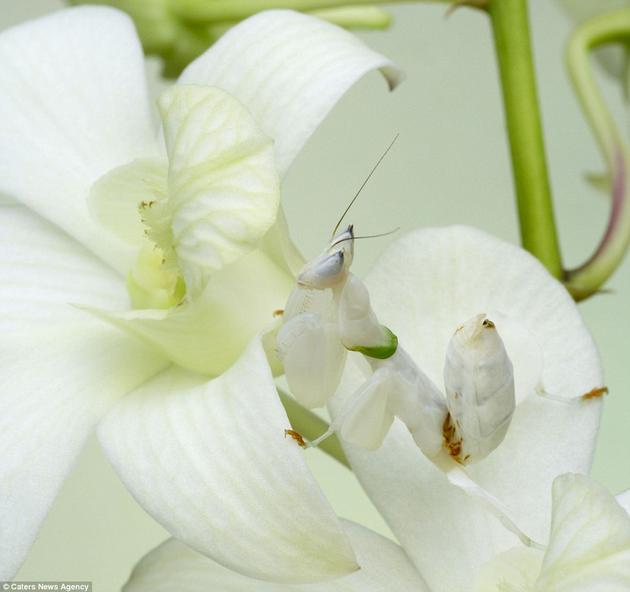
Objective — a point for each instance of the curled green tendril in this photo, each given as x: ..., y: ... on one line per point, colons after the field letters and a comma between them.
x: 613, y: 27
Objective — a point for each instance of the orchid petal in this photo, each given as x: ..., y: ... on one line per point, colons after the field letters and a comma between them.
x: 439, y: 278
x: 206, y: 335
x: 277, y: 244
x: 73, y: 102
x: 459, y: 477
x: 115, y: 199
x: 58, y: 383
x: 623, y: 499
x: 62, y: 369
x: 173, y: 566
x: 289, y: 70
x: 589, y: 546
x: 45, y: 274
x: 223, y: 188
x: 521, y: 345
x: 210, y: 461
x: 514, y: 570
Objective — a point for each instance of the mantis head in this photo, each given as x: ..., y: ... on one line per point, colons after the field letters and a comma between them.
x: 330, y: 268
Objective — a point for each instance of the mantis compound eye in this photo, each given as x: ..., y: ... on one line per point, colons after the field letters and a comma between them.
x: 479, y: 382
x: 326, y: 271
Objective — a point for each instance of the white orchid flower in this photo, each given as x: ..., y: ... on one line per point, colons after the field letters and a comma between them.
x: 589, y: 551
x: 178, y: 386
x: 423, y: 287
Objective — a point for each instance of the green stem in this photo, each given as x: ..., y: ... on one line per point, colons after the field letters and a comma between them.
x: 510, y: 25
x: 355, y: 17
x: 608, y: 28
x: 310, y: 426
x: 212, y: 10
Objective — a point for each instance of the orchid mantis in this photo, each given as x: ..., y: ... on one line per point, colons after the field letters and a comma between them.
x: 319, y: 328
x: 329, y: 313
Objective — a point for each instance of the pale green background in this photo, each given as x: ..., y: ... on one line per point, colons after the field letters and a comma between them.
x: 449, y: 166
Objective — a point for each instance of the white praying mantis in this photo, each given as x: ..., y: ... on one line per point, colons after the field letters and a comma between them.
x: 329, y: 313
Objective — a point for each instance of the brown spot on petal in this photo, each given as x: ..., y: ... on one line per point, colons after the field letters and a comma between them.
x: 595, y: 393
x: 296, y: 436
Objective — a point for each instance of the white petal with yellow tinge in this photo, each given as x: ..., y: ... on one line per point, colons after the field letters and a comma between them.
x: 289, y: 70
x: 223, y: 187
x: 174, y: 567
x: 210, y: 461
x: 62, y: 369
x: 73, y: 105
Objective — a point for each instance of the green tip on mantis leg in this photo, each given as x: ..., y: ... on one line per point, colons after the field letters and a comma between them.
x: 380, y: 352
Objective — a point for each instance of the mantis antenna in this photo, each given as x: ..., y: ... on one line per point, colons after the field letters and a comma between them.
x: 380, y: 234
x: 365, y: 183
